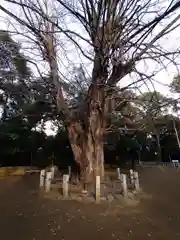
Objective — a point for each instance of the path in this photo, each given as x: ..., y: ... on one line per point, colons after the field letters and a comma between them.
x: 25, y: 215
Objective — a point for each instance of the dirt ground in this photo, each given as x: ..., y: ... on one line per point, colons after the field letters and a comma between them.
x: 26, y: 215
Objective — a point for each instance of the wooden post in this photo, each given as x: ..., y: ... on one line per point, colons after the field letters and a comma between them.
x: 118, y: 173
x: 48, y: 181
x: 65, y: 185
x: 136, y: 177
x: 98, y: 190
x: 69, y: 172
x: 52, y: 172
x: 131, y: 176
x: 42, y: 178
x: 124, y: 185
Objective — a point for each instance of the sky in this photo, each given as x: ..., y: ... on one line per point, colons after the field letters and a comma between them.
x: 163, y: 78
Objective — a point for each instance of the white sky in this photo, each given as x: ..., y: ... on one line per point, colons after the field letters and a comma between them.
x: 163, y: 78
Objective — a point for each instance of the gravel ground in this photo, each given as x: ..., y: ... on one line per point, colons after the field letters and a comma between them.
x: 26, y: 215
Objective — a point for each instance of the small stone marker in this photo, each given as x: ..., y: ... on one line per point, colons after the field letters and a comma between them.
x: 65, y: 185
x: 175, y: 163
x: 136, y: 177
x: 42, y: 177
x: 118, y: 173
x: 98, y: 190
x: 52, y: 172
x: 48, y: 181
x: 131, y: 176
x: 69, y: 172
x: 124, y: 185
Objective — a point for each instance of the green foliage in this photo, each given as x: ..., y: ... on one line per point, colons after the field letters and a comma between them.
x: 153, y: 104
x: 13, y: 48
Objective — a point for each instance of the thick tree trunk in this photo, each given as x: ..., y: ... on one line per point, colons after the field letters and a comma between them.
x: 96, y: 129
x: 88, y: 151
x: 87, y: 142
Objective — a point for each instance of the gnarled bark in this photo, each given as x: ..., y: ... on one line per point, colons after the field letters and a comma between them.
x: 87, y: 140
x: 88, y: 151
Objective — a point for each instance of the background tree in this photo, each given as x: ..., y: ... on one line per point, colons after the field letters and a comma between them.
x: 175, y: 87
x: 25, y: 102
x: 153, y: 105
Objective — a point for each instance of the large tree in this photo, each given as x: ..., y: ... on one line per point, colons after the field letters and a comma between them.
x: 115, y: 36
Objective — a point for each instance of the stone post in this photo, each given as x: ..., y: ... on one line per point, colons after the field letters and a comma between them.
x: 65, y: 185
x: 136, y: 177
x: 118, y: 173
x: 48, y: 181
x: 124, y: 185
x: 98, y: 190
x: 42, y: 177
x: 131, y: 176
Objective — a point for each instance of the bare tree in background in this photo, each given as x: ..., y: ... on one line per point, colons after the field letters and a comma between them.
x: 117, y: 35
